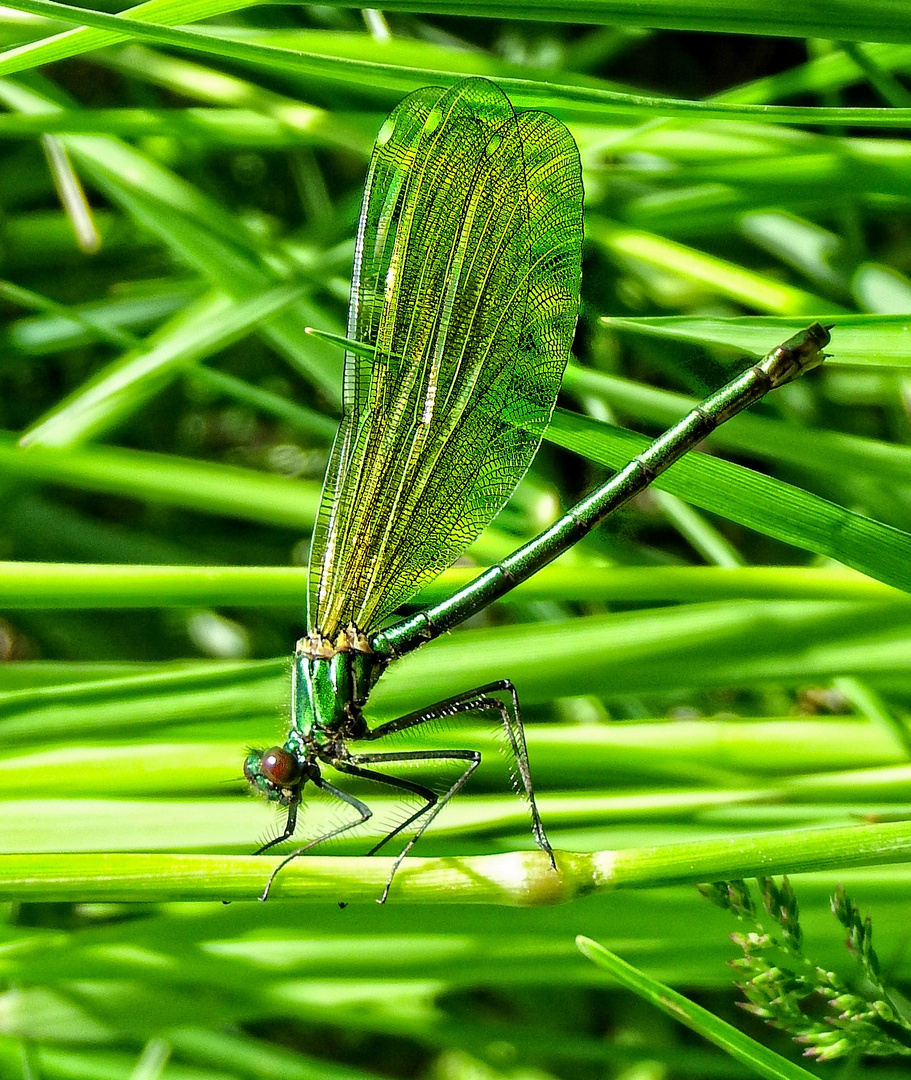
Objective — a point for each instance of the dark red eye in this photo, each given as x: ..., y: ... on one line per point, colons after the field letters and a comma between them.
x: 281, y: 767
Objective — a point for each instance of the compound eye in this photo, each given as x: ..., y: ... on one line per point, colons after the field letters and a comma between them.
x: 281, y: 767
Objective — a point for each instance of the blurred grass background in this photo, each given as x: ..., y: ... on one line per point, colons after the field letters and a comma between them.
x: 178, y: 205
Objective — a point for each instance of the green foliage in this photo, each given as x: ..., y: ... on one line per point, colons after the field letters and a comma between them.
x: 862, y: 1021
x: 166, y: 422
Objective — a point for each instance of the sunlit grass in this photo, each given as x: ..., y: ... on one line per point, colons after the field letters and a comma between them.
x: 166, y: 419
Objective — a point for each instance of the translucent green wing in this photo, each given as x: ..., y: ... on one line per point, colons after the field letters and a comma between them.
x: 466, y: 282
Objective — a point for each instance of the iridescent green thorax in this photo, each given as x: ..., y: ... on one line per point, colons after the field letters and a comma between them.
x: 330, y: 681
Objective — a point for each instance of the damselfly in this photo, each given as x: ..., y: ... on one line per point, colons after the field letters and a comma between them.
x: 465, y: 294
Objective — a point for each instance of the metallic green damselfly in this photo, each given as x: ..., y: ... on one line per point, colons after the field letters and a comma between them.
x: 464, y: 295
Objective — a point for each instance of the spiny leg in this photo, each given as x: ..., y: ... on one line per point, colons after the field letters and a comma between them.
x: 431, y: 798
x: 477, y: 700
x: 515, y: 732
x: 434, y: 803
x: 364, y: 814
x: 287, y: 832
x: 352, y: 765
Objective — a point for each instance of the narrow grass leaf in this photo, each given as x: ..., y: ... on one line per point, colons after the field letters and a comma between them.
x: 114, y: 393
x: 86, y: 39
x: 741, y: 1047
x: 568, y: 102
x: 198, y: 231
x: 719, y: 275
x: 868, y: 341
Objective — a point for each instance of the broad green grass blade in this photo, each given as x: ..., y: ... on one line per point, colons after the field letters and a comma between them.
x: 758, y: 437
x: 810, y: 763
x: 37, y: 585
x: 229, y: 127
x: 165, y: 478
x: 770, y: 506
x: 881, y: 20
x: 720, y: 277
x: 665, y: 651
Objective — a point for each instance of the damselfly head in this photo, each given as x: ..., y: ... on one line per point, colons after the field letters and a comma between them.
x: 276, y: 774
